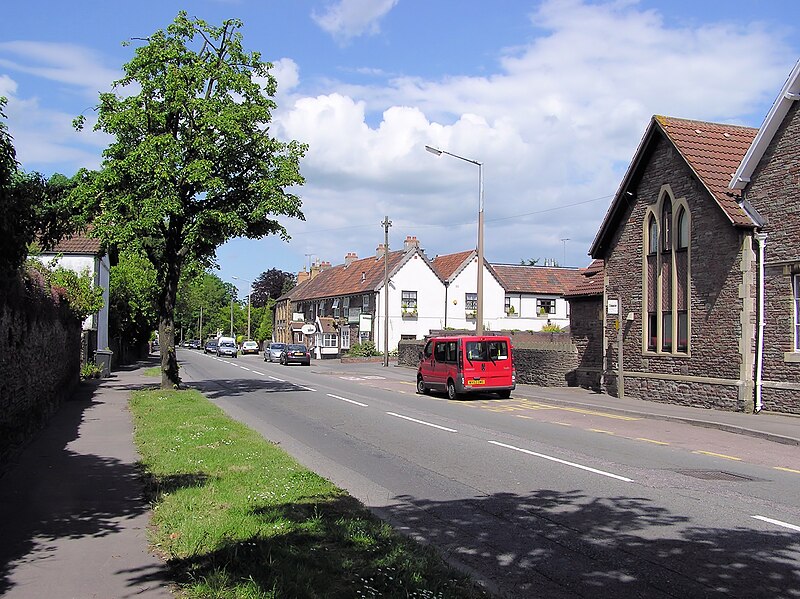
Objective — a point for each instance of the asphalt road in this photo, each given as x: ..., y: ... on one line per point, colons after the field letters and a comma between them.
x: 536, y: 500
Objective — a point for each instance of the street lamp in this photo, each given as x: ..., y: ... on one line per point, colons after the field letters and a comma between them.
x: 479, y: 311
x: 249, y: 290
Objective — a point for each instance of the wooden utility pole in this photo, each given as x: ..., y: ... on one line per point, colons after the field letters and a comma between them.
x: 386, y: 224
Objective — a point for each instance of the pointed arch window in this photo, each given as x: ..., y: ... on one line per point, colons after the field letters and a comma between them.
x: 667, y: 281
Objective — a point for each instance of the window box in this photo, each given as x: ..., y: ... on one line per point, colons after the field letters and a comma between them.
x: 409, y: 312
x: 471, y: 314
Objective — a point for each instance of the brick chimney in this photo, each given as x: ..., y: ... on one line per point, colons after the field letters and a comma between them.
x: 302, y: 276
x: 314, y: 270
x: 350, y: 258
x: 324, y: 266
x: 411, y: 243
x: 380, y: 250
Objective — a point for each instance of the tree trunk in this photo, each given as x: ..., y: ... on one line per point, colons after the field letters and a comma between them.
x: 170, y: 378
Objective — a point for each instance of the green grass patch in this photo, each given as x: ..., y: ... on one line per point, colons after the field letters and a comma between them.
x: 237, y: 517
x: 154, y: 372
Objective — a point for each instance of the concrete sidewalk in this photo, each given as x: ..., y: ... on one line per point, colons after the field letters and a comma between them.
x: 73, y: 519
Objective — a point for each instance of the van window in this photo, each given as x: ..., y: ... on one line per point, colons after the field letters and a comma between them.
x: 428, y: 350
x: 486, y: 351
x: 440, y: 351
x: 452, y: 352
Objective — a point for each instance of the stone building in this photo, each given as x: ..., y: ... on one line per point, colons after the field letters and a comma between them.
x: 683, y: 251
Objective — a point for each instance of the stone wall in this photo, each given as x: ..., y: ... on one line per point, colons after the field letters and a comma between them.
x: 586, y: 330
x: 774, y: 193
x: 40, y: 348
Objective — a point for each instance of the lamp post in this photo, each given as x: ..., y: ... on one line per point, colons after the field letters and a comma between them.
x: 479, y: 311
x: 249, y: 290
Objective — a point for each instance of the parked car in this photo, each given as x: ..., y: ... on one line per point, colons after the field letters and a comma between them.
x: 249, y: 347
x: 295, y: 354
x: 226, y: 346
x: 197, y: 344
x: 211, y: 347
x: 461, y: 365
x: 273, y: 352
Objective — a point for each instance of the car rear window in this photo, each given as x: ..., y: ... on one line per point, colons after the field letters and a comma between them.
x: 277, y: 346
x: 297, y: 348
x: 486, y: 351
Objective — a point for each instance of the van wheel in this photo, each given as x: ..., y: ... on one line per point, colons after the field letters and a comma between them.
x: 505, y: 394
x: 421, y: 388
x: 451, y: 390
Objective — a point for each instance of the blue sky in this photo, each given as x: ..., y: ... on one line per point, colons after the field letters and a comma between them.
x: 552, y: 96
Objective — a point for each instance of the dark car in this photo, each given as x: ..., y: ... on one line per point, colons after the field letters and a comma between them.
x: 295, y: 354
x: 211, y: 347
x: 273, y: 352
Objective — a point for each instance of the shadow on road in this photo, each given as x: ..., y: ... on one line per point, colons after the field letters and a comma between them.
x: 218, y: 388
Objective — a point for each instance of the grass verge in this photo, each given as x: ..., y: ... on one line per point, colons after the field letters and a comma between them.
x: 155, y: 371
x: 237, y: 517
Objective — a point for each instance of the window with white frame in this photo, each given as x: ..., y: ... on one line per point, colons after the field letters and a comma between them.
x: 408, y: 301
x: 329, y: 340
x: 365, y: 303
x: 345, y: 306
x: 545, y: 306
x: 345, y: 335
x: 336, y: 308
x: 796, y: 312
x: 470, y: 301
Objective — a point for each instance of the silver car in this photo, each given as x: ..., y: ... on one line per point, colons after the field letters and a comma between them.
x: 273, y: 352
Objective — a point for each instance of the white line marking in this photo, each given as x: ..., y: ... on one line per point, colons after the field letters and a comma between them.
x: 444, y: 428
x: 309, y: 389
x: 276, y: 379
x: 358, y: 403
x: 243, y: 368
x: 573, y: 464
x: 258, y: 373
x: 778, y: 523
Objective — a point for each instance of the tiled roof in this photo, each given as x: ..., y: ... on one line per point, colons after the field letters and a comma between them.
x: 77, y: 244
x: 326, y: 325
x: 447, y: 265
x: 536, y: 279
x: 359, y: 277
x: 714, y: 152
x: 590, y: 282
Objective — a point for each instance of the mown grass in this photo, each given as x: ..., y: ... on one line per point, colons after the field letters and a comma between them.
x: 155, y: 371
x: 236, y: 517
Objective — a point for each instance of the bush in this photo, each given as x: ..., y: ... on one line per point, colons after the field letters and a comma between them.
x: 363, y: 350
x: 552, y: 328
x: 90, y: 370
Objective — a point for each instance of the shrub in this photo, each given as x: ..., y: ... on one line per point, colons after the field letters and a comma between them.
x: 90, y: 370
x: 552, y: 328
x: 363, y: 350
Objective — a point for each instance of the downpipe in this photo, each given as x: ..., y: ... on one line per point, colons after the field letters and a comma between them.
x: 761, y: 238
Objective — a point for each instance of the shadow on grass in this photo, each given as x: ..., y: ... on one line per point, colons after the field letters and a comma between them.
x: 544, y: 544
x: 332, y: 548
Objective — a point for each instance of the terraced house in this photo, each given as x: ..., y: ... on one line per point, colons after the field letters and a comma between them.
x: 345, y: 303
x: 701, y: 260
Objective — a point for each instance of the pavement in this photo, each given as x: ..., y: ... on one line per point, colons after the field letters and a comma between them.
x: 73, y: 515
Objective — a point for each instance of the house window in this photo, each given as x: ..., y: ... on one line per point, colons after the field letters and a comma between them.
x: 666, y: 281
x: 329, y: 340
x: 470, y: 301
x: 364, y: 336
x: 796, y: 312
x: 508, y: 304
x: 409, y: 300
x: 345, y: 334
x: 336, y: 308
x: 345, y: 306
x: 365, y: 303
x: 545, y: 306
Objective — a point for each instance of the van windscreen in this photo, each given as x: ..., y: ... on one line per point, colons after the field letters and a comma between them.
x: 486, y: 351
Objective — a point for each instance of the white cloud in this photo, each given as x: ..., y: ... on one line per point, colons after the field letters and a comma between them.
x: 64, y: 63
x: 555, y: 125
x: 347, y: 19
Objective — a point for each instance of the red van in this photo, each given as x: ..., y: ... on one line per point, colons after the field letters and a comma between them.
x: 467, y: 364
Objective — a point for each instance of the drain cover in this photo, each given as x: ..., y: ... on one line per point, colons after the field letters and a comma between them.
x: 715, y: 475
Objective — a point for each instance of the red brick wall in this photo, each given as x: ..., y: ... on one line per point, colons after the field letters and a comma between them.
x: 716, y: 308
x: 775, y: 192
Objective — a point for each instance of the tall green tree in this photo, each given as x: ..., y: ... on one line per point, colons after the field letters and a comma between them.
x: 32, y: 208
x: 192, y: 163
x: 133, y: 293
x: 270, y: 285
